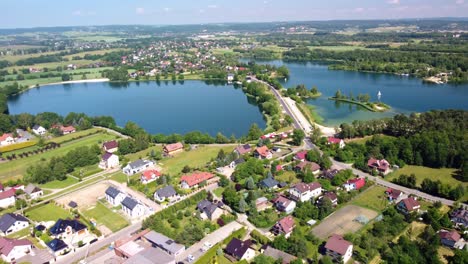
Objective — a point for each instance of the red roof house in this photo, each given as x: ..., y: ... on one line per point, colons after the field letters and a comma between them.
x: 13, y: 249
x: 173, y: 148
x: 189, y: 181
x: 354, y: 184
x: 449, y: 238
x: 393, y: 194
x: 301, y: 155
x: 337, y: 141
x: 382, y: 166
x: 110, y: 146
x: 339, y: 249
x: 149, y: 175
x: 263, y: 153
x: 67, y: 129
x: 284, y: 226
x: 408, y: 205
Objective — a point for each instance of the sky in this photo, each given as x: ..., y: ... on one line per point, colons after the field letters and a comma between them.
x: 40, y: 13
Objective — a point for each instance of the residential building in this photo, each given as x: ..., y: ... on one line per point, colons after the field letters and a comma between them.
x: 114, y: 196
x: 332, y: 197
x: 460, y: 217
x: 329, y: 174
x: 167, y: 192
x: 230, y: 77
x: 7, y: 198
x: 283, y: 204
x: 33, y: 191
x: 451, y: 239
x: 7, y: 139
x: 137, y: 166
x: 39, y: 130
x: 240, y: 250
x: 382, y: 166
x: 13, y: 249
x: 67, y: 129
x: 11, y: 223
x: 66, y: 227
x: 354, y: 184
x: 165, y: 243
x: 308, y: 166
x: 133, y: 208
x: 305, y: 191
x: 109, y: 161
x: 57, y: 246
x: 339, y: 249
x: 209, y: 210
x: 194, y: 179
x: 393, y: 194
x: 263, y: 153
x: 268, y: 183
x: 23, y: 136
x: 110, y: 146
x: 301, y: 155
x: 171, y: 149
x: 236, y: 162
x: 277, y: 254
x: 262, y: 203
x: 408, y: 205
x: 284, y: 226
x: 336, y: 141
x: 149, y: 176
x: 243, y: 149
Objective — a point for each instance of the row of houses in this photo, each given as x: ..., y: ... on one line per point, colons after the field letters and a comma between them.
x: 130, y: 206
x: 8, y: 195
x: 19, y: 136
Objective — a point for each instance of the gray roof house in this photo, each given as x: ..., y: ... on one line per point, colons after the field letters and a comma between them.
x: 165, y: 243
x: 10, y: 223
x: 166, y: 192
x: 268, y: 183
x: 132, y: 207
x: 137, y: 166
x: 209, y: 210
x: 114, y: 196
x: 33, y: 191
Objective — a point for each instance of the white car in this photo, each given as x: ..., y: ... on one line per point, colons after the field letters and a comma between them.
x: 190, y: 258
x: 206, y: 246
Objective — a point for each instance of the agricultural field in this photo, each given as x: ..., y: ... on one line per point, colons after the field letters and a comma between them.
x: 48, y: 212
x: 336, y: 48
x: 15, y: 58
x: 93, y: 52
x: 373, y: 198
x: 105, y: 216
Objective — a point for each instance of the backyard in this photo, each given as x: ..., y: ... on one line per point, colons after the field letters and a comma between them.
x: 105, y: 216
x: 373, y: 198
x: 48, y: 212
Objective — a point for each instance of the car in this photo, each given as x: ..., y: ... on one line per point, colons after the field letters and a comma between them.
x: 190, y: 258
x: 208, y: 245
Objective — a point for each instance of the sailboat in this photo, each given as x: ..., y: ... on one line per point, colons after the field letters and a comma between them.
x: 379, y: 94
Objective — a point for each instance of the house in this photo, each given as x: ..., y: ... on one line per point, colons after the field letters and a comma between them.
x: 7, y: 198
x: 57, y: 246
x: 174, y: 148
x: 209, y: 210
x: 165, y: 243
x: 450, y: 238
x: 332, y: 197
x: 240, y: 250
x: 336, y: 141
x: 137, y: 166
x: 109, y: 161
x: 262, y: 203
x: 114, y: 196
x: 33, y: 191
x: 382, y: 166
x: 354, y: 184
x: 408, y: 205
x: 236, y: 162
x: 329, y: 174
x: 393, y: 194
x: 11, y: 223
x: 303, y: 192
x: 307, y: 165
x: 283, y: 204
x: 132, y: 207
x: 460, y: 217
x: 194, y: 179
x: 230, y: 77
x: 149, y: 176
x: 6, y: 139
x: 13, y: 249
x: 263, y: 153
x: 243, y: 149
x: 277, y: 254
x: 39, y: 130
x: 67, y: 129
x: 164, y: 193
x: 268, y: 183
x: 149, y: 256
x: 284, y: 226
x: 23, y: 136
x: 110, y: 146
x: 67, y: 227
x: 339, y: 249
x: 301, y: 155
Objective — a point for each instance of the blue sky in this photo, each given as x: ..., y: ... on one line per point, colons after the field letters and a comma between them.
x: 35, y: 13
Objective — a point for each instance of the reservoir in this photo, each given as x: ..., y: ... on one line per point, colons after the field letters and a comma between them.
x: 165, y: 108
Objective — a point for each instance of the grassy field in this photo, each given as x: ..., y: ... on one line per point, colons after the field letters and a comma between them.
x: 288, y: 176
x: 48, y: 212
x: 219, y: 191
x: 59, y: 184
x: 194, y: 158
x: 15, y: 58
x: 74, y: 135
x: 52, y: 65
x: 119, y: 177
x: 103, y: 215
x: 94, y: 52
x: 144, y: 153
x: 421, y: 172
x: 363, y: 140
x: 336, y: 48
x: 17, y: 168
x: 373, y: 198
x: 86, y: 171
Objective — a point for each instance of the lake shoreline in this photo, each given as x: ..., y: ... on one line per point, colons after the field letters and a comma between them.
x: 374, y: 107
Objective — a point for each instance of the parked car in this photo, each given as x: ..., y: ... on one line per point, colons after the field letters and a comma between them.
x: 190, y: 258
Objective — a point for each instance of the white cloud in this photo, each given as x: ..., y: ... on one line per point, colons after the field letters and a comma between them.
x: 393, y: 2
x: 201, y: 11
x: 77, y: 13
x: 140, y: 10
x: 358, y: 9
x: 460, y: 2
x: 265, y: 2
x: 83, y: 13
x: 213, y: 6
x: 167, y: 9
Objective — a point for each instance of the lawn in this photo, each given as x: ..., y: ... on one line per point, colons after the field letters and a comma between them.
x: 194, y: 158
x: 363, y: 140
x: 86, y: 171
x: 119, y: 177
x: 443, y: 174
x: 373, y: 198
x: 288, y: 176
x: 219, y: 191
x: 56, y: 184
x: 17, y: 168
x: 103, y: 215
x: 48, y: 212
x: 144, y: 153
x: 68, y: 137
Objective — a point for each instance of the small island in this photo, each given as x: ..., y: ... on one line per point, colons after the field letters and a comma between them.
x: 362, y: 100
x: 300, y: 92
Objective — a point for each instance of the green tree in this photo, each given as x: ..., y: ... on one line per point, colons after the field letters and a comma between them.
x: 298, y: 136
x: 254, y: 132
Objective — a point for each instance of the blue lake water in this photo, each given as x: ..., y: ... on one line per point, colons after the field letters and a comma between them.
x: 403, y: 94
x: 165, y: 108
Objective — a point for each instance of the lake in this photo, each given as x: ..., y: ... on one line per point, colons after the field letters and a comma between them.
x: 159, y: 108
x: 403, y: 94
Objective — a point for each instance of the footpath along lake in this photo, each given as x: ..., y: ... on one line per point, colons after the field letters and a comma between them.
x: 159, y: 108
x: 403, y: 94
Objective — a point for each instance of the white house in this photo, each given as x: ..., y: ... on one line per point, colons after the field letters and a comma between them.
x: 109, y: 161
x: 33, y: 191
x: 240, y: 250
x: 283, y: 204
x: 336, y: 141
x: 7, y: 198
x: 39, y: 130
x: 11, y: 223
x: 305, y: 191
x: 6, y: 139
x: 133, y: 208
x: 149, y: 176
x: 339, y: 249
x: 164, y: 193
x: 137, y: 166
x: 114, y: 196
x: 13, y: 249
